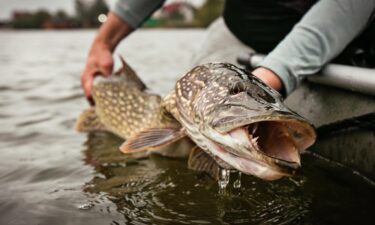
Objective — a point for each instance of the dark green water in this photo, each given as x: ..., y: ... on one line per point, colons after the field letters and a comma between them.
x: 159, y: 190
x: 52, y: 175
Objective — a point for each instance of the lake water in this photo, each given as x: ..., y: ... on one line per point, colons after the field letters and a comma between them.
x: 50, y: 174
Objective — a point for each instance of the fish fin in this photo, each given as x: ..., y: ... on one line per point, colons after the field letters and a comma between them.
x: 200, y: 161
x: 152, y: 139
x: 130, y: 74
x: 89, y: 121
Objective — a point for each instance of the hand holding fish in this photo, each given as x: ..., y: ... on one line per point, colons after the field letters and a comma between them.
x: 100, y: 61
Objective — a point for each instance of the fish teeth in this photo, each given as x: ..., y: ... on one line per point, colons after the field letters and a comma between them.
x: 255, y: 128
x: 255, y: 141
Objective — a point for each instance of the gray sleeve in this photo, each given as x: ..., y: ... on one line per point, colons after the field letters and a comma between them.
x: 326, y: 29
x: 134, y: 12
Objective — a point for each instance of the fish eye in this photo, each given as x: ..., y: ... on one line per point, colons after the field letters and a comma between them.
x: 237, y: 88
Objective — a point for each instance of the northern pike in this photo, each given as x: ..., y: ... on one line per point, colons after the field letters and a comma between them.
x: 234, y: 120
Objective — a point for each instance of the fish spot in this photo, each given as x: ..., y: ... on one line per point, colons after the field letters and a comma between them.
x: 113, y: 114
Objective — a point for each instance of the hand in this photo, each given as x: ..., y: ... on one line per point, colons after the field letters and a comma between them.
x: 99, y: 62
x: 269, y: 77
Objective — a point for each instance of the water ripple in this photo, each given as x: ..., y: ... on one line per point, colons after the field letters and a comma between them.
x: 49, y: 174
x: 33, y: 121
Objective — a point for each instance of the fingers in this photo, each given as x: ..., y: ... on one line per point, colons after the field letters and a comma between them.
x: 87, y: 79
x: 268, y: 77
x: 98, y: 64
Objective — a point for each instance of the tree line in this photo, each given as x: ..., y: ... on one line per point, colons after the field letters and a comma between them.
x: 86, y: 15
x: 87, y: 12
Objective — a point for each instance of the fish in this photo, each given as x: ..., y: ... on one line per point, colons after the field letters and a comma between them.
x: 235, y: 120
x: 125, y: 107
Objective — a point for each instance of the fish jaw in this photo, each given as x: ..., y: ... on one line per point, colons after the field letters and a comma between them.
x: 243, y: 151
x: 249, y: 163
x: 245, y: 165
x: 289, y: 127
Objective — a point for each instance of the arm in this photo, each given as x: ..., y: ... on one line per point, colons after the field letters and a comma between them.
x: 99, y: 59
x: 326, y: 29
x: 126, y: 16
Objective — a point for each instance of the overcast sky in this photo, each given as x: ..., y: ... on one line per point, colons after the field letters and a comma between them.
x: 8, y: 6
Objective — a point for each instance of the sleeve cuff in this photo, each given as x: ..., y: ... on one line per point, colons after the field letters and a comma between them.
x: 123, y: 11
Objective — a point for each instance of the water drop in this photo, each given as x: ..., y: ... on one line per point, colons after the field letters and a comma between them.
x: 237, y: 183
x: 224, y: 177
x: 86, y: 206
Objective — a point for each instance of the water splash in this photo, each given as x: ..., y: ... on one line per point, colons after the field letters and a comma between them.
x: 224, y: 178
x: 86, y: 206
x: 237, y: 183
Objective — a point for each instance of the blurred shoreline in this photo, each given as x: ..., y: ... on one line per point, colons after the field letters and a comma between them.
x: 178, y: 14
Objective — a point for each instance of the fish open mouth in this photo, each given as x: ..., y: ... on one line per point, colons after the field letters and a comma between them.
x: 275, y: 145
x: 275, y: 139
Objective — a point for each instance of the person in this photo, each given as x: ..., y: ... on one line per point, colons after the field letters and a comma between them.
x: 299, y: 36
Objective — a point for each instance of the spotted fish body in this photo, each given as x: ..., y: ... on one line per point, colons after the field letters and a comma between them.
x: 124, y: 107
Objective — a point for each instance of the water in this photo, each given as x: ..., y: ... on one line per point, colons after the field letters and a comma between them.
x: 49, y: 174
x: 237, y: 183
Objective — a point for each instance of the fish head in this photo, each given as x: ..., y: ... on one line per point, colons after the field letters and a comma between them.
x: 245, y: 123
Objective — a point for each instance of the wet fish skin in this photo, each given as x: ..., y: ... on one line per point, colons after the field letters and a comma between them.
x: 123, y: 108
x: 218, y: 103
